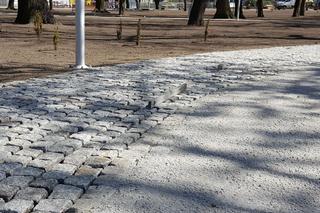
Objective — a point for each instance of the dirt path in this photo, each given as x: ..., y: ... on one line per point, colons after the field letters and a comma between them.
x: 164, y: 34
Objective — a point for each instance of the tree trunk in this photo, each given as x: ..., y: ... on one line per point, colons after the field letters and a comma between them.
x: 27, y: 9
x: 157, y: 2
x: 127, y: 4
x: 138, y: 4
x: 121, y: 7
x: 11, y: 5
x: 51, y: 5
x: 260, y: 8
x: 100, y: 5
x: 236, y: 9
x: 184, y: 5
x: 302, y: 7
x: 223, y: 9
x: 296, y: 9
x: 197, y: 12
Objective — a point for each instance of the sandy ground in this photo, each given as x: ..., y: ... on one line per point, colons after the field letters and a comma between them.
x: 252, y: 148
x: 164, y: 34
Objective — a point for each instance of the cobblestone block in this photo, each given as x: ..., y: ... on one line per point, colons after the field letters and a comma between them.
x: 107, y: 153
x: 30, y: 193
x: 28, y: 171
x: 87, y: 170
x: 7, y: 192
x: 101, y: 138
x: 98, y: 192
x: 52, y: 156
x: 2, y: 175
x: 83, y: 136
x: 42, y: 164
x: 60, y: 148
x: 30, y: 152
x: 18, y: 181
x: 118, y: 129
x: 42, y: 145
x: 60, y: 172
x: 4, y: 156
x: 47, y: 184
x: 97, y: 161
x: 24, y: 160
x: 74, y: 143
x: 8, y: 168
x: 17, y: 206
x: 75, y: 159
x: 19, y: 143
x: 12, y: 149
x: 1, y: 202
x: 30, y: 137
x: 66, y: 192
x: 53, y: 205
x: 80, y: 181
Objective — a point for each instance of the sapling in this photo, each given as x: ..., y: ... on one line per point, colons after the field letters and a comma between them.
x: 206, y: 30
x: 56, y: 36
x: 138, y: 33
x: 38, y: 22
x: 119, y: 31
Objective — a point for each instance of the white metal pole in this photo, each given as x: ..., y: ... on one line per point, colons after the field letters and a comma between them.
x: 80, y: 34
x: 238, y: 11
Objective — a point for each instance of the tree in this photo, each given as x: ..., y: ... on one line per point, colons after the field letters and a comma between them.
x: 27, y: 9
x: 157, y: 3
x: 260, y: 8
x: 184, y: 5
x: 302, y: 7
x: 121, y: 7
x: 236, y: 9
x: 223, y: 9
x: 296, y: 10
x: 100, y: 5
x: 11, y: 5
x: 138, y: 4
x: 197, y: 11
x: 51, y: 5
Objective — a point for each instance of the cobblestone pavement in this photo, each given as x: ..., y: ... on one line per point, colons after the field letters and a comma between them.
x: 59, y: 136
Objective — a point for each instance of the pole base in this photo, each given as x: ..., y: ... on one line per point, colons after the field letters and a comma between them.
x: 81, y: 67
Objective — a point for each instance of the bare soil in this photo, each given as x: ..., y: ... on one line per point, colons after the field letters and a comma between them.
x: 164, y: 34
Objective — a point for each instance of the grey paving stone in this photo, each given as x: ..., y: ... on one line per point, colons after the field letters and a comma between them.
x: 52, y: 156
x: 17, y: 206
x: 42, y: 145
x: 7, y: 192
x: 2, y: 175
x: 98, y: 162
x: 47, y: 184
x: 83, y: 136
x: 30, y: 193
x: 18, y: 181
x: 53, y: 205
x: 81, y: 181
x: 28, y: 171
x: 12, y: 149
x: 75, y: 159
x: 61, y: 148
x: 42, y: 164
x: 8, y: 168
x: 1, y: 202
x: 60, y: 172
x: 24, y: 160
x: 66, y: 192
x: 98, y: 192
x: 19, y: 143
x: 87, y: 170
x: 30, y: 152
